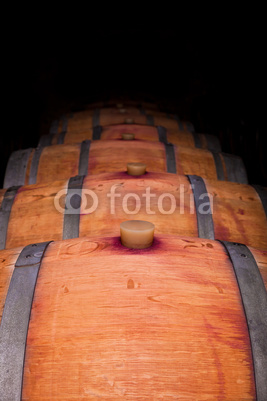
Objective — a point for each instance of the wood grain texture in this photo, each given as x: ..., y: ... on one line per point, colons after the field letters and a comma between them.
x: 141, y: 132
x: 238, y: 213
x: 165, y: 199
x: 34, y: 217
x: 8, y: 259
x: 112, y: 323
x: 84, y: 119
x: 62, y: 161
x: 58, y: 163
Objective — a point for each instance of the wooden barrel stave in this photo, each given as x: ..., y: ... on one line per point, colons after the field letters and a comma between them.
x: 113, y: 114
x: 130, y: 323
x: 166, y: 199
x: 62, y: 161
x: 141, y: 132
x: 86, y: 120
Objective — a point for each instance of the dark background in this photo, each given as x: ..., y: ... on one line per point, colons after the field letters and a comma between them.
x: 215, y: 80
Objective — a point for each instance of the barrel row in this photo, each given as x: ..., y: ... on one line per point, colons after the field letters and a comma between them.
x: 50, y: 163
x: 75, y: 122
x: 168, y: 320
x: 152, y: 116
x: 128, y: 111
x: 138, y: 132
x: 97, y: 204
x: 121, y: 323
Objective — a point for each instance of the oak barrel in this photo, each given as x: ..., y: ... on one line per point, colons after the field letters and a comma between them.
x: 174, y: 321
x: 141, y: 132
x: 83, y: 120
x: 50, y: 163
x: 177, y: 205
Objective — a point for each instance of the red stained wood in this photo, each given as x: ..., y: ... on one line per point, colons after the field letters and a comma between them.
x: 141, y: 132
x: 84, y: 119
x: 178, y: 329
x: 165, y: 199
x: 60, y: 162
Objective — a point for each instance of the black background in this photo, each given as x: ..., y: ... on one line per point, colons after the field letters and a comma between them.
x: 213, y: 79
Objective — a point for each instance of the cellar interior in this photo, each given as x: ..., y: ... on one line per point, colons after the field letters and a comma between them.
x: 215, y: 81
x: 106, y: 308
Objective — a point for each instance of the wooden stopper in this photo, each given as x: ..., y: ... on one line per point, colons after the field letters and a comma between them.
x: 129, y: 121
x: 136, y: 168
x: 137, y: 234
x: 127, y: 136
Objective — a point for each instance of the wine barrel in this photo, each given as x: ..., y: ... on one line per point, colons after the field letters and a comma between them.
x: 97, y: 204
x: 84, y: 120
x: 183, y: 319
x: 140, y: 132
x: 50, y: 163
x: 128, y: 112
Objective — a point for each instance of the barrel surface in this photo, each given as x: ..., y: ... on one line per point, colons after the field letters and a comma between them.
x: 141, y: 132
x: 128, y: 112
x: 167, y: 200
x: 62, y: 161
x: 83, y: 120
x: 162, y: 323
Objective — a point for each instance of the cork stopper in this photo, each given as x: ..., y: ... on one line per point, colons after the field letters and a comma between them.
x: 129, y: 121
x: 137, y: 234
x: 136, y: 168
x: 122, y: 111
x: 127, y: 136
x: 119, y: 105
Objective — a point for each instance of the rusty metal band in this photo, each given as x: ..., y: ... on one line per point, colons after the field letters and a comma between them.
x: 162, y: 134
x: 84, y: 157
x: 149, y: 120
x: 262, y: 192
x: 219, y: 166
x: 170, y: 158
x: 203, y: 207
x: 5, y: 210
x: 254, y: 299
x: 96, y: 118
x: 34, y: 165
x: 97, y: 131
x: 15, y: 320
x: 197, y: 140
x: 72, y: 208
x: 235, y: 168
x: 16, y: 168
x: 213, y: 143
x: 45, y: 140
